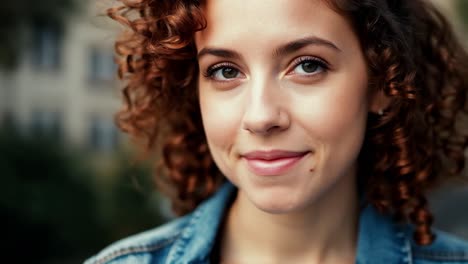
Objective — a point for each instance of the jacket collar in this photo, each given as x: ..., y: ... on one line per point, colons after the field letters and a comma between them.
x: 379, y: 239
x: 198, y: 237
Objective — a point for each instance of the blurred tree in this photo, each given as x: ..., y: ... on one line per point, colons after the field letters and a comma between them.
x: 133, y: 200
x: 18, y: 16
x: 51, y: 208
x: 47, y: 206
x: 462, y: 7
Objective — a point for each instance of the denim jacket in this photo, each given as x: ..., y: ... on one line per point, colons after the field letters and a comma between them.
x: 190, y: 239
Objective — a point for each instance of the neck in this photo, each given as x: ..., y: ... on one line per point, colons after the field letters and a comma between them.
x: 323, y: 232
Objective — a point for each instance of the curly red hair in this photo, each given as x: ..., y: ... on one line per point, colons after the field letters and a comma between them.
x: 412, y: 56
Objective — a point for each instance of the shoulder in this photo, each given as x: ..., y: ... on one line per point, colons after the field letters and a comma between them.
x: 186, y: 240
x: 383, y: 240
x: 446, y: 248
x: 144, y: 247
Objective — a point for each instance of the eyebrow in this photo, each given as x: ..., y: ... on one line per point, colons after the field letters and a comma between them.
x: 284, y: 49
x: 298, y: 44
x: 224, y: 53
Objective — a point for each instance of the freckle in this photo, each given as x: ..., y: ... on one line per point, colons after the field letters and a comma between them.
x: 311, y: 170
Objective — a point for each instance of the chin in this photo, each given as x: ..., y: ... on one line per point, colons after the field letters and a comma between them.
x: 276, y: 204
x: 278, y: 208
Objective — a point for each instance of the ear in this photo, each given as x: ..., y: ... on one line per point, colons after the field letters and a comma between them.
x: 378, y: 102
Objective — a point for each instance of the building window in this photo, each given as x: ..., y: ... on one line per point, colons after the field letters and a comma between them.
x: 46, y: 124
x: 7, y: 120
x: 46, y: 47
x: 103, y: 134
x: 101, y: 65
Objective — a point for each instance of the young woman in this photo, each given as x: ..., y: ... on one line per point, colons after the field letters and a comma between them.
x: 298, y: 131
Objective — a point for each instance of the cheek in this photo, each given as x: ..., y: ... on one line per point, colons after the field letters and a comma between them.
x: 345, y: 102
x: 221, y: 119
x: 341, y: 114
x: 336, y: 118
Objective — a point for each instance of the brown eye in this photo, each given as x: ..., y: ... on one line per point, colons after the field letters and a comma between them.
x: 229, y: 73
x: 222, y: 72
x: 309, y: 67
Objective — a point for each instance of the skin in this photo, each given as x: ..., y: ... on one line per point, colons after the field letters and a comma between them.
x: 311, y: 97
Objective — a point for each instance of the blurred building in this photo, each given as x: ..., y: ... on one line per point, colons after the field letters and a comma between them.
x: 65, y: 84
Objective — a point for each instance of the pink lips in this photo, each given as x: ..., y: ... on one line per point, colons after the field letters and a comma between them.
x: 271, y: 163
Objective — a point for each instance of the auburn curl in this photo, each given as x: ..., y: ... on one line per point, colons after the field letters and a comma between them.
x: 412, y: 56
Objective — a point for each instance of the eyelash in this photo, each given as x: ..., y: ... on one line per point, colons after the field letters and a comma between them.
x: 212, y: 69
x: 321, y: 63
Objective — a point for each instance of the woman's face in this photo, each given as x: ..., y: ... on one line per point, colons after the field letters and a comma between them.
x: 284, y: 99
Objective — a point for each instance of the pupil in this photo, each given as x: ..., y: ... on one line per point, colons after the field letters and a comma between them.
x: 309, y: 67
x: 229, y: 73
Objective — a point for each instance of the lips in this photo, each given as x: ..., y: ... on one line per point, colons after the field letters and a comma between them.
x: 271, y: 163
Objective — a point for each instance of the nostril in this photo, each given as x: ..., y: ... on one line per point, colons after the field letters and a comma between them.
x: 273, y: 128
x: 263, y: 130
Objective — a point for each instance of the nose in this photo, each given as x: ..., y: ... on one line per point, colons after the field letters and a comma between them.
x: 265, y: 109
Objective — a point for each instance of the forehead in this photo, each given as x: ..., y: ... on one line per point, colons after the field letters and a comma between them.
x: 243, y: 21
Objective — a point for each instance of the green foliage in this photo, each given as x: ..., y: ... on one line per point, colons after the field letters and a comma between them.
x: 51, y: 209
x: 462, y: 7
x: 48, y: 206
x: 134, y: 202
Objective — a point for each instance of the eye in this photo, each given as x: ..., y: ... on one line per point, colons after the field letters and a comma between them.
x: 222, y: 72
x: 309, y: 66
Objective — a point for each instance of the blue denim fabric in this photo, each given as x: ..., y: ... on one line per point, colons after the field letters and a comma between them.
x: 190, y: 239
